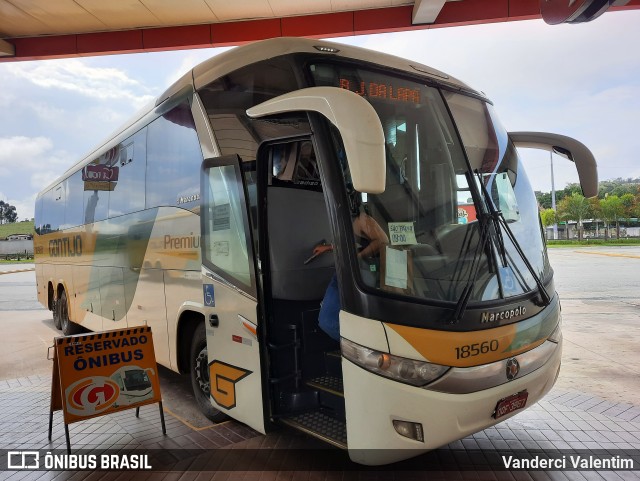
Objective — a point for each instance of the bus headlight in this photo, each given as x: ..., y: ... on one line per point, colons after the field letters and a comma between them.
x: 416, y: 373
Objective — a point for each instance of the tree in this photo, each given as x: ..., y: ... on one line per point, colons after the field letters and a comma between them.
x: 574, y: 207
x: 8, y: 213
x: 544, y: 199
x: 611, y: 210
x: 594, y: 209
x: 548, y: 218
x: 629, y: 202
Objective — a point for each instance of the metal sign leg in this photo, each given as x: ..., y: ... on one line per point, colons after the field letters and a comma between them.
x: 164, y: 428
x: 50, y: 423
x: 66, y: 434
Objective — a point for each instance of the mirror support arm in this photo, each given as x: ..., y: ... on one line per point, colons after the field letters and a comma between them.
x: 567, y: 147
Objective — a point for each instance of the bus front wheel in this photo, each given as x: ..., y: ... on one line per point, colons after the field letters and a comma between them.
x: 68, y: 328
x: 199, y: 369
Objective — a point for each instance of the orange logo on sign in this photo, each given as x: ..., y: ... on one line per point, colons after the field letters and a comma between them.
x: 91, y: 395
x: 223, y: 378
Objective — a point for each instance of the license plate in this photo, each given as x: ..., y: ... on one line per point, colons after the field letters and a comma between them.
x: 510, y: 404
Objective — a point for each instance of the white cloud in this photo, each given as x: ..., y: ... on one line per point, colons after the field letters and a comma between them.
x: 42, y: 178
x: 24, y: 207
x: 34, y: 156
x: 46, y: 112
x: 20, y: 152
x: 6, y: 98
x: 77, y: 76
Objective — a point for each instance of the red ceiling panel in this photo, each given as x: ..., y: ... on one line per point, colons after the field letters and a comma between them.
x: 48, y: 47
x: 382, y: 20
x: 126, y: 41
x: 325, y: 25
x: 172, y: 38
x: 235, y: 33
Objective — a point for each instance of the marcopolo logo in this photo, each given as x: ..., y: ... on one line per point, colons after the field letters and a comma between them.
x: 499, y: 315
x: 90, y: 396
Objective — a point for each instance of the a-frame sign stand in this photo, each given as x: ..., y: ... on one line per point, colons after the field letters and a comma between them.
x: 101, y: 373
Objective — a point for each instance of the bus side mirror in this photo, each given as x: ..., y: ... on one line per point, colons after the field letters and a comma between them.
x: 568, y: 148
x: 356, y: 120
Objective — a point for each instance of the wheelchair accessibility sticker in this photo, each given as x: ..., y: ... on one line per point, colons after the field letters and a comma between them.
x: 209, y: 299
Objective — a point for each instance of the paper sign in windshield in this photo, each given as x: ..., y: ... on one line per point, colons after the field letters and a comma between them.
x: 396, y: 268
x: 402, y: 233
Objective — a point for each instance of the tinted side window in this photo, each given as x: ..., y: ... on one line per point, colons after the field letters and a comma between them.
x: 37, y: 218
x: 174, y: 158
x: 226, y: 239
x: 97, y: 177
x: 227, y: 99
x: 54, y: 208
x: 127, y: 190
x: 74, y: 206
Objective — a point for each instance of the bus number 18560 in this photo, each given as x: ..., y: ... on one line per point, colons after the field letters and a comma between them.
x: 471, y: 350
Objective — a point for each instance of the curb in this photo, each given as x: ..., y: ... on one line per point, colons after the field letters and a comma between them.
x: 17, y: 271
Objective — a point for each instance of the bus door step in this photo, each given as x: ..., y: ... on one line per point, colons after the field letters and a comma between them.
x: 299, y: 401
x: 321, y: 426
x: 329, y: 384
x: 330, y: 394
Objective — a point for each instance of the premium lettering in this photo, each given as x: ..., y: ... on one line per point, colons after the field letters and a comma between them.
x: 184, y: 242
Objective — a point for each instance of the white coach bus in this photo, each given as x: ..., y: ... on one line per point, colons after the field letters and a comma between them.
x: 199, y: 218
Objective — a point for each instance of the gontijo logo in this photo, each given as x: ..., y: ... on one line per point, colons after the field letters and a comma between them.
x: 91, y: 395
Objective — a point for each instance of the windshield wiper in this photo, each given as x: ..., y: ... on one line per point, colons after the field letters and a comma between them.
x: 463, y: 300
x: 498, y: 220
x: 491, y: 225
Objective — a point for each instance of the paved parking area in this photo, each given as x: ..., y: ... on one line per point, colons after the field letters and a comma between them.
x: 564, y: 423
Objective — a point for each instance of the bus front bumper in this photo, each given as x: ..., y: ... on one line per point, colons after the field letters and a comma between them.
x: 373, y: 402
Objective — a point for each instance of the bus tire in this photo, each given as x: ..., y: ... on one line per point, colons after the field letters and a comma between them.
x: 68, y: 328
x: 199, y: 371
x: 56, y: 316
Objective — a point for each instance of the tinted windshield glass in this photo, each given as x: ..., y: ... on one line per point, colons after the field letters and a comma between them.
x: 433, y: 247
x: 494, y: 157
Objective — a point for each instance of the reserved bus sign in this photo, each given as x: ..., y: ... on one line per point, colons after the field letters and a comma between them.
x: 101, y: 373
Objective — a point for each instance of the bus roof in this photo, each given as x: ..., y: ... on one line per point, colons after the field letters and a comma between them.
x: 238, y: 57
x: 227, y: 62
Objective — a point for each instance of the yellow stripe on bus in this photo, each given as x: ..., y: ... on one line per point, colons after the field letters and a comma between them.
x: 473, y: 348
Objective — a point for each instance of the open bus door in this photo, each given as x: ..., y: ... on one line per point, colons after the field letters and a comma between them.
x: 228, y: 263
x: 229, y: 293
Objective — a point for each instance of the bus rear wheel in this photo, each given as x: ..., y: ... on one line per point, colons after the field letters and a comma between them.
x: 56, y: 315
x: 68, y: 328
x: 199, y: 370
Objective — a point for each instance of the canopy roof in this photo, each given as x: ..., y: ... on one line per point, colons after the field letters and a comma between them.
x: 38, y: 29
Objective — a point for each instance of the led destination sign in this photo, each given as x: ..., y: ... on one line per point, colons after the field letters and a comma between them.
x: 382, y: 90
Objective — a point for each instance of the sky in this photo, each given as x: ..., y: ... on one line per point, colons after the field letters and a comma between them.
x: 578, y: 80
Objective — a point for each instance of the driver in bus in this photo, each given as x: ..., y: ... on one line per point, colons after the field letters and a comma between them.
x: 372, y: 239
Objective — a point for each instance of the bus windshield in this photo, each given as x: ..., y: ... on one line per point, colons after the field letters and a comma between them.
x: 445, y: 151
